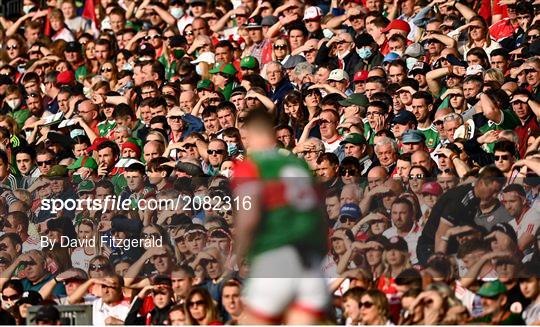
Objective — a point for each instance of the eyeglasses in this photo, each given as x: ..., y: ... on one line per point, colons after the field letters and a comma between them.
x: 280, y: 47
x: 417, y: 176
x: 366, y: 305
x: 12, y: 47
x: 195, y: 303
x: 177, y: 118
x: 190, y: 145
x: 216, y: 152
x: 94, y: 267
x: 348, y: 171
x: 45, y: 163
x: 150, y: 235
x: 153, y: 36
x: 373, y: 113
x: 503, y: 157
x: 10, y: 297
x: 106, y: 70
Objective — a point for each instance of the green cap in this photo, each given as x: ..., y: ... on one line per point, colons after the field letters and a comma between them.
x: 205, y: 85
x: 249, y: 62
x: 85, y: 186
x: 84, y: 161
x: 492, y: 289
x: 354, y: 138
x: 227, y: 69
x: 357, y: 99
x: 57, y: 171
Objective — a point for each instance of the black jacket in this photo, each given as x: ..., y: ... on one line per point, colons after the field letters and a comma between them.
x: 157, y: 316
x: 351, y: 60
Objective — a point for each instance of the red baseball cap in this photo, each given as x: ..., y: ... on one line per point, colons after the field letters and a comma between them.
x: 432, y: 188
x: 360, y: 75
x: 398, y: 24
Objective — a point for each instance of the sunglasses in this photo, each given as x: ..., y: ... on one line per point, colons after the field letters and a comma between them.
x: 45, y: 163
x: 504, y: 157
x: 472, y: 28
x: 179, y: 239
x: 153, y: 36
x: 177, y: 118
x: 195, y: 303
x: 346, y: 219
x: 280, y: 47
x: 438, y: 122
x: 95, y: 267
x: 188, y: 33
x: 33, y: 53
x: 417, y: 176
x: 33, y: 95
x: 150, y: 235
x: 346, y: 171
x: 355, y: 17
x: 210, y: 152
x: 10, y: 297
x: 529, y: 71
x: 12, y: 47
x: 366, y: 305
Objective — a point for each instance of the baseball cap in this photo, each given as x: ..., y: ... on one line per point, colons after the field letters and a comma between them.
x: 354, y: 138
x: 269, y: 20
x: 292, y: 61
x: 47, y: 313
x: 392, y: 56
x: 65, y: 77
x: 382, y: 240
x: 398, y: 24
x: 505, y: 228
x: 253, y: 22
x: 338, y: 75
x: 83, y: 161
x: 208, y: 57
x: 492, y: 289
x: 73, y: 46
x: 474, y: 70
x: 350, y: 210
x: 249, y: 62
x: 205, y: 84
x: 414, y: 50
x: 57, y: 171
x: 412, y: 136
x: 358, y: 99
x: 146, y: 50
x: 397, y: 243
x: 403, y: 117
x: 96, y: 143
x: 198, y: 3
x: 455, y: 61
x: 30, y: 297
x: 85, y: 186
x: 360, y: 76
x: 313, y: 13
x: 227, y: 69
x: 432, y: 188
x: 419, y: 68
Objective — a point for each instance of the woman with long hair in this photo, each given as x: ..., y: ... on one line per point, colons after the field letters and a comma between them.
x: 200, y: 308
x: 280, y: 50
x: 478, y: 36
x: 374, y: 308
x: 59, y: 29
x: 109, y: 71
x: 294, y: 113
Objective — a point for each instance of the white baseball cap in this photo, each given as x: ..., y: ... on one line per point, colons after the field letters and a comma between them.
x: 313, y: 13
x: 338, y: 75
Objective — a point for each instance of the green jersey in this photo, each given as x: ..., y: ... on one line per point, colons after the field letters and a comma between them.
x: 509, y: 121
x: 432, y: 136
x: 291, y: 213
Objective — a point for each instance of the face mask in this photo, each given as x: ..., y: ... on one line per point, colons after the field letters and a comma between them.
x: 327, y: 33
x: 178, y: 53
x: 27, y: 9
x: 42, y: 88
x: 364, y: 52
x: 13, y: 103
x: 198, y: 70
x: 127, y: 66
x: 227, y: 173
x: 472, y: 101
x: 177, y: 12
x: 411, y: 62
x: 232, y: 148
x: 87, y: 92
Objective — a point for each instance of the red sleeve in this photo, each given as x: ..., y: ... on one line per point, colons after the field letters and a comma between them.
x: 244, y: 171
x: 485, y: 10
x: 499, y: 10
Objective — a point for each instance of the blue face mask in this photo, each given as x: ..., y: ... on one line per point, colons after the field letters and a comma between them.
x: 177, y: 12
x: 364, y: 52
x: 232, y: 148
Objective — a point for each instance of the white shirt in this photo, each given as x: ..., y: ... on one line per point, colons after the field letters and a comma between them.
x: 333, y: 146
x: 528, y: 224
x: 101, y: 311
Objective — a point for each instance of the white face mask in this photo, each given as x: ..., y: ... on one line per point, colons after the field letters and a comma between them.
x: 27, y: 9
x: 13, y: 103
x: 198, y: 70
x: 327, y: 33
x: 411, y: 62
x: 227, y: 173
x: 42, y: 88
x: 177, y: 12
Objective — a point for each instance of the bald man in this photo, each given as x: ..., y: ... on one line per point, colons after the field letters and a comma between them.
x: 152, y: 149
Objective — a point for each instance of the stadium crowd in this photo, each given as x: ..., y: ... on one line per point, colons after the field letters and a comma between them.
x: 414, y: 124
